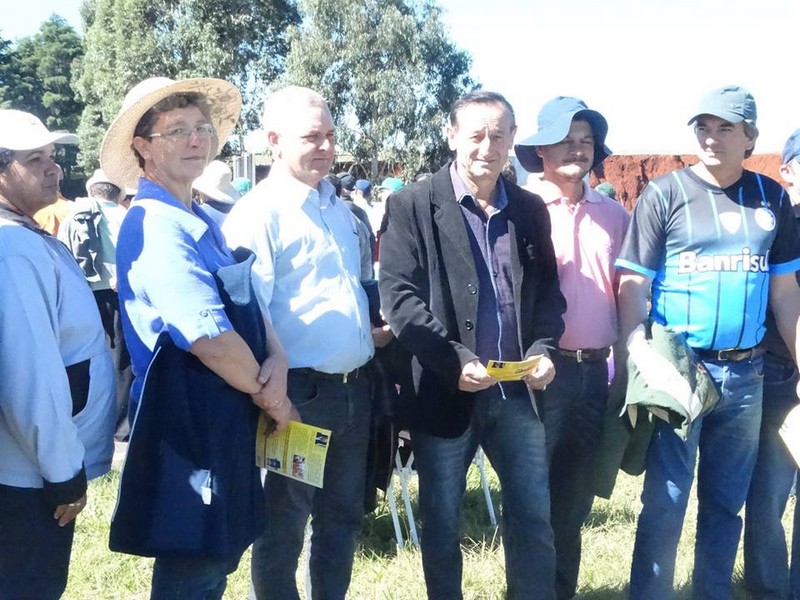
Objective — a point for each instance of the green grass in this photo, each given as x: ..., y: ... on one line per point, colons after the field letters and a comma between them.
x: 380, y: 571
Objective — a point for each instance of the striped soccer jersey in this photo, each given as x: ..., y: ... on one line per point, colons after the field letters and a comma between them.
x: 710, y: 252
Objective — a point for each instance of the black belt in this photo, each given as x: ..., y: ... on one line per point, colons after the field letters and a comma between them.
x: 586, y: 355
x: 732, y: 354
x: 340, y: 377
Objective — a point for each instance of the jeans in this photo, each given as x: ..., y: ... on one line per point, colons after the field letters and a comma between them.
x: 190, y: 578
x: 34, y: 550
x: 513, y: 438
x: 727, y: 440
x: 766, y: 571
x: 336, y: 510
x: 573, y: 411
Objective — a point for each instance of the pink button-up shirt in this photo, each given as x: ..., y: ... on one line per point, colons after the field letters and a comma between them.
x: 587, y: 237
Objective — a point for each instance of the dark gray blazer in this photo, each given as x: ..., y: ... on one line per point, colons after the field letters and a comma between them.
x: 429, y: 293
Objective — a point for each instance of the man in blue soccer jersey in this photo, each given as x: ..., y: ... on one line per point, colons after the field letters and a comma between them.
x: 712, y: 243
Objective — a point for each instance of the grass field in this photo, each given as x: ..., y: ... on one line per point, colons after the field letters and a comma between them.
x: 381, y: 572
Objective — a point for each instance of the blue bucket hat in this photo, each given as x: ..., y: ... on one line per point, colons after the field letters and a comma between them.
x: 732, y: 103
x: 792, y: 148
x: 554, y: 120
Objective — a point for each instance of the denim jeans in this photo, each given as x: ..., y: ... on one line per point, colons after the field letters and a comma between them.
x: 513, y: 438
x: 336, y: 510
x: 766, y: 570
x: 727, y: 440
x: 573, y: 411
x: 190, y: 578
x: 34, y: 550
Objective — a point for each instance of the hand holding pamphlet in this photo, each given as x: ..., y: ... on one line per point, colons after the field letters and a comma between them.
x: 512, y: 370
x: 298, y: 452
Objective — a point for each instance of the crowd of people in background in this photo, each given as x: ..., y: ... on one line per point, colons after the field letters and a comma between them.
x: 176, y: 304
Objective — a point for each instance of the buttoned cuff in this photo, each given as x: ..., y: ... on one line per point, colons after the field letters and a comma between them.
x: 56, y: 494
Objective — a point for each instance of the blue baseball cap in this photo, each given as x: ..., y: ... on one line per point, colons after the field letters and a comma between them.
x: 364, y: 186
x: 394, y: 184
x: 731, y: 102
x: 791, y: 149
x: 554, y: 121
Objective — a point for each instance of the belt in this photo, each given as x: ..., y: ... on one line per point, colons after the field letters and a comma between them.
x: 732, y: 354
x: 340, y: 377
x: 586, y: 355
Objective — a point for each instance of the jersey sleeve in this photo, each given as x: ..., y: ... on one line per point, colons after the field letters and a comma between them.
x: 643, y: 249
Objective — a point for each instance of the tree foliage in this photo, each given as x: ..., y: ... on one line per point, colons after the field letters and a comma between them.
x: 35, y: 76
x: 242, y: 41
x: 389, y: 71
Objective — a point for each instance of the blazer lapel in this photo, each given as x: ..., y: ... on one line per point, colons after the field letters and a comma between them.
x: 449, y: 220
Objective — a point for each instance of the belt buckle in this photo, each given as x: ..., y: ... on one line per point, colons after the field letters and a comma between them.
x: 579, y: 355
x: 344, y: 377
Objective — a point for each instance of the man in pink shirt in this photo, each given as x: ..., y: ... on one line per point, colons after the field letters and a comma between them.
x: 587, y: 232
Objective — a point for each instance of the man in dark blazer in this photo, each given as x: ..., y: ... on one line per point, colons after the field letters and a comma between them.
x: 468, y: 274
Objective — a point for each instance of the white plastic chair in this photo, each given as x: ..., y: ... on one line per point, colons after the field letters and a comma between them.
x: 404, y: 472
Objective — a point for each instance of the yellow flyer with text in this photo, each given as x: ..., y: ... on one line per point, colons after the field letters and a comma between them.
x: 512, y: 371
x: 299, y: 451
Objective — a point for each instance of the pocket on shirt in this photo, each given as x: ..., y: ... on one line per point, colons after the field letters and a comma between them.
x: 79, y: 379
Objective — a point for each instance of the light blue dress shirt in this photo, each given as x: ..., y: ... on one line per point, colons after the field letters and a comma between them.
x: 308, y: 270
x: 49, y: 320
x: 166, y: 257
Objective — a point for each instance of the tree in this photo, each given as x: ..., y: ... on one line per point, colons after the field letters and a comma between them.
x: 8, y: 72
x: 35, y: 76
x: 127, y: 41
x: 390, y: 73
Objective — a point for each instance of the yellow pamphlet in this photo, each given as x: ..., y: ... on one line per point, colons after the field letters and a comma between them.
x: 298, y: 452
x: 505, y: 370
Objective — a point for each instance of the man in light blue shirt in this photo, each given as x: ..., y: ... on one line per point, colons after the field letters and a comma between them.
x: 308, y: 284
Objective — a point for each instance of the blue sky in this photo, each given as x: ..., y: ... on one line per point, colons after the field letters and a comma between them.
x: 642, y: 63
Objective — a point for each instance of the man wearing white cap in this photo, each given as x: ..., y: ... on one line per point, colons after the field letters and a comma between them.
x: 215, y: 190
x: 57, y: 384
x: 90, y: 232
x: 713, y: 243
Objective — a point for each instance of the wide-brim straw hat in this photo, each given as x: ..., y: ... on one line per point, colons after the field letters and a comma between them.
x: 116, y: 154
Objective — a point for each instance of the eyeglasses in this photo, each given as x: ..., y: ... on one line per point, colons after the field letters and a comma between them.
x: 203, y: 132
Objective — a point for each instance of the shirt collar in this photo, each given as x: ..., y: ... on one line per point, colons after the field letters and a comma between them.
x: 196, y: 222
x: 462, y: 190
x: 550, y: 193
x: 294, y: 190
x: 8, y: 213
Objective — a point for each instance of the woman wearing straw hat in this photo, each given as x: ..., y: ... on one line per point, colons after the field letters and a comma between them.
x: 201, y: 355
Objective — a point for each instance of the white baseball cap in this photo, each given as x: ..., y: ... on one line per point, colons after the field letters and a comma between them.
x: 20, y: 130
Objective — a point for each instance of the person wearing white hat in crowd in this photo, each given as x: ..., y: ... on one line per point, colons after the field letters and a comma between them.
x: 194, y: 329
x: 57, y: 382
x: 90, y: 232
x: 215, y: 190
